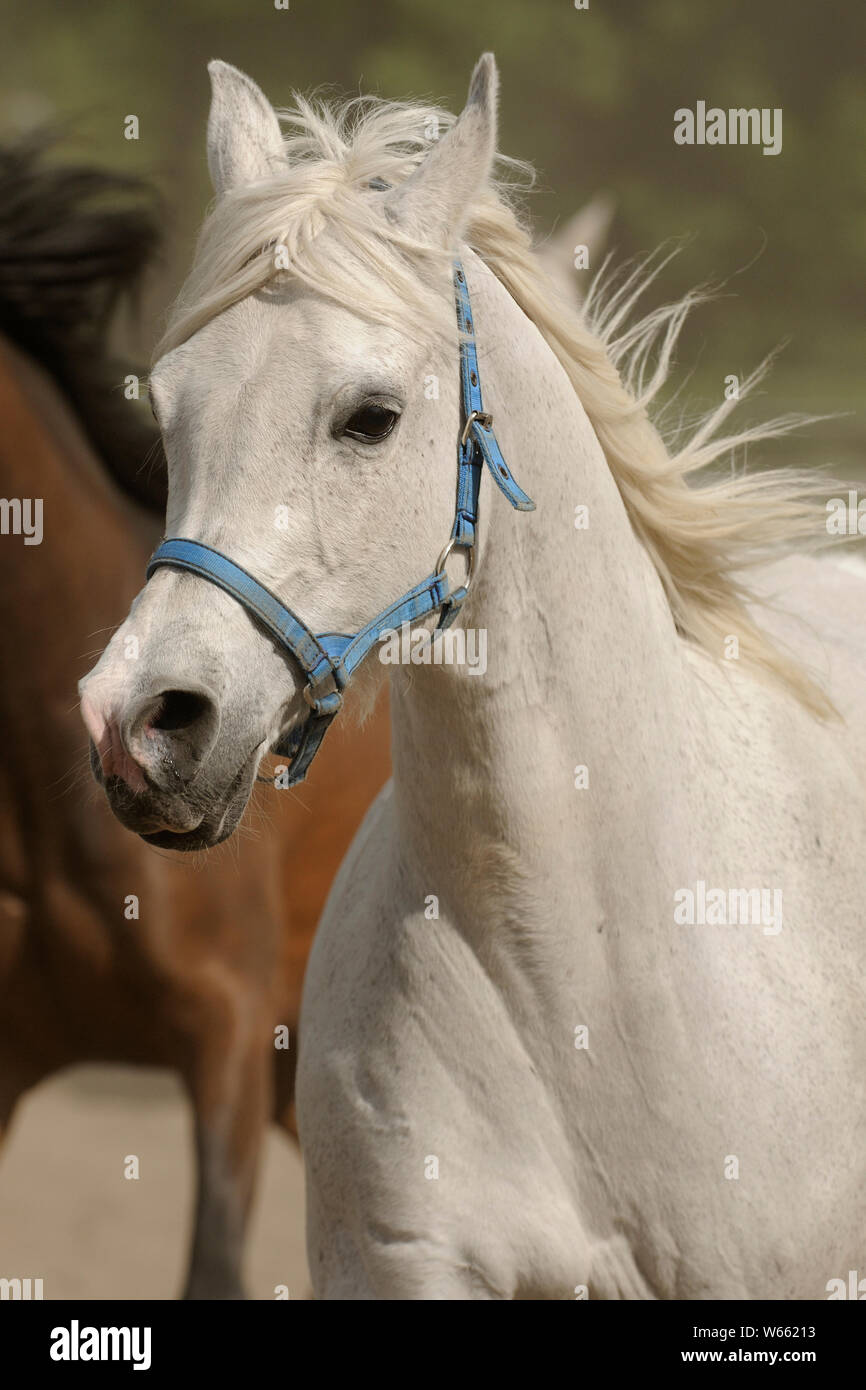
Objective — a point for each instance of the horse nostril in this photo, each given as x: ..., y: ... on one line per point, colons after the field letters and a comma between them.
x: 178, y: 709
x: 169, y: 732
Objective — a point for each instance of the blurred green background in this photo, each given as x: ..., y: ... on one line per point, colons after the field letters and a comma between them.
x: 587, y: 95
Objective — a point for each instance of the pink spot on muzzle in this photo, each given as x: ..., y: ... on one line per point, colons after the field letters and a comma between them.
x: 115, y: 759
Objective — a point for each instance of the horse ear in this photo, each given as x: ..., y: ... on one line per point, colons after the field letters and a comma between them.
x: 438, y: 195
x: 244, y: 142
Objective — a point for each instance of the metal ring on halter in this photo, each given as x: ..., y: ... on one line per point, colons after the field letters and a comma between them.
x: 482, y: 416
x: 470, y: 555
x: 329, y: 680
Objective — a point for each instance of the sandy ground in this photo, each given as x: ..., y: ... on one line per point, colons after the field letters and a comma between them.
x: 68, y: 1215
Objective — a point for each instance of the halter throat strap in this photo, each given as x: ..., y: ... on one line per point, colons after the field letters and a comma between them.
x: 329, y: 659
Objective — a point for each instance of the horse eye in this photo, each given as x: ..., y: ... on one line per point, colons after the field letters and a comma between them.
x: 370, y: 423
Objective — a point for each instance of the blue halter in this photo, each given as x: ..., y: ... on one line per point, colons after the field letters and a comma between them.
x: 329, y: 659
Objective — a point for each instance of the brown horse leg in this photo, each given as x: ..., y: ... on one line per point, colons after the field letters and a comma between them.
x: 232, y: 1098
x: 285, y: 1065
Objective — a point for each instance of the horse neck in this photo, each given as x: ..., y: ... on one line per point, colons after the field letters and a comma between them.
x: 52, y: 456
x: 55, y: 596
x: 584, y: 664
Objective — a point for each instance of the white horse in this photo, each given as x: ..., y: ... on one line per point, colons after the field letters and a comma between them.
x: 584, y: 1012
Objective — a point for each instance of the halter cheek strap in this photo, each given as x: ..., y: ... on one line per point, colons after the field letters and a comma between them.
x: 329, y: 659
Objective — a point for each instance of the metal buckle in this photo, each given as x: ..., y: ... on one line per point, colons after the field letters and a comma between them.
x: 482, y: 416
x: 312, y: 694
x: 470, y: 555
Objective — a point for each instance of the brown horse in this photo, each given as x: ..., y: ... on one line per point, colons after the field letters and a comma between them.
x: 109, y: 950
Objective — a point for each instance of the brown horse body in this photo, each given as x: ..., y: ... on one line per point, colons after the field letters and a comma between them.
x: 109, y: 950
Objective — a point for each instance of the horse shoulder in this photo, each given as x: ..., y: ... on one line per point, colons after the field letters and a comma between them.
x: 418, y: 1103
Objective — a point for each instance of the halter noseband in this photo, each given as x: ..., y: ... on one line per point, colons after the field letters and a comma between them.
x: 329, y: 659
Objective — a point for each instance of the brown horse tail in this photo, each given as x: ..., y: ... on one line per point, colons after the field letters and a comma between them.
x: 74, y: 242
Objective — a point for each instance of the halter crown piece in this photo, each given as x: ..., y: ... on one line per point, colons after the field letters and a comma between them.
x: 329, y: 659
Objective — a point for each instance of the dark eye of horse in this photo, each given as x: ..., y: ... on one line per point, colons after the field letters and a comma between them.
x: 371, y: 423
